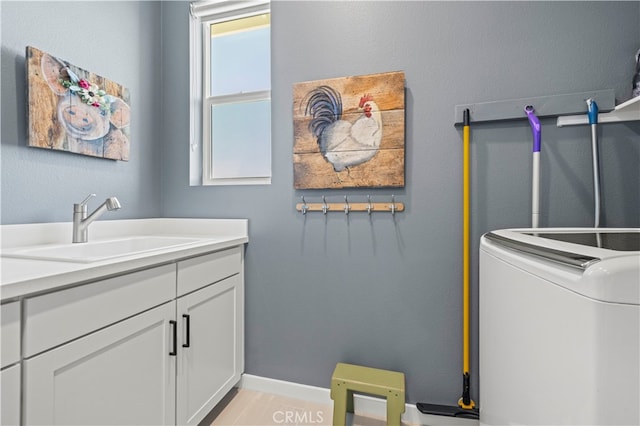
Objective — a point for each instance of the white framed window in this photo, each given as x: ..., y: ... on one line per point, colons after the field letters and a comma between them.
x: 230, y: 53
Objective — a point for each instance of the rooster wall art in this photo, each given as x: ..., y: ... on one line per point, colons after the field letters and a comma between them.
x: 349, y: 132
x: 342, y: 143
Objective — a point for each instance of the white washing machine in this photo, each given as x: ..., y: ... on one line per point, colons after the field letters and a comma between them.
x: 560, y: 327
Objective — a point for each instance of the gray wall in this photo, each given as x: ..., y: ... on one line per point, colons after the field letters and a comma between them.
x: 118, y: 40
x: 387, y: 292
x: 380, y: 291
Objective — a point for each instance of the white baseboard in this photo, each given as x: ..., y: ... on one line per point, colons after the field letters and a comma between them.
x: 283, y: 388
x: 363, y: 404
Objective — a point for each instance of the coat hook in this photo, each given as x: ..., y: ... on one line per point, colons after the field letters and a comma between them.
x: 347, y: 207
x: 304, y: 205
x: 369, y: 206
x: 393, y: 204
x: 324, y: 205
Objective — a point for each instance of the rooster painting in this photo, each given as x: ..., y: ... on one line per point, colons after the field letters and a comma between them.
x: 341, y: 142
x: 349, y: 132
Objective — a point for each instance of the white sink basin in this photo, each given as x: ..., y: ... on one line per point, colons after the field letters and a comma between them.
x: 100, y: 250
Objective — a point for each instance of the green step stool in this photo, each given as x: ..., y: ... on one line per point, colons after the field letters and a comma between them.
x: 348, y: 378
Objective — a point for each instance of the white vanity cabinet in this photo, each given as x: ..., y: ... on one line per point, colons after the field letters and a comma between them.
x: 210, y: 313
x: 10, y: 363
x: 160, y: 346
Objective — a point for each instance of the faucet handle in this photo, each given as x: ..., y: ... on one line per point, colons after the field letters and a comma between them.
x: 82, y: 206
x: 86, y: 200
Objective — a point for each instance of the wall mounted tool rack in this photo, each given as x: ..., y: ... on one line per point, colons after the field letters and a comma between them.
x: 545, y: 106
x: 347, y: 207
x: 626, y: 111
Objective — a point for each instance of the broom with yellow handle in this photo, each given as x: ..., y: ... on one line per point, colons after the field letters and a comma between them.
x: 466, y: 406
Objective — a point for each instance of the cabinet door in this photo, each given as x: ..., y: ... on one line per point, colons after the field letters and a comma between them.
x: 211, y: 356
x: 10, y: 396
x: 122, y: 374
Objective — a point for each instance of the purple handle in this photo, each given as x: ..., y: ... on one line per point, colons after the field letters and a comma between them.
x: 535, y: 127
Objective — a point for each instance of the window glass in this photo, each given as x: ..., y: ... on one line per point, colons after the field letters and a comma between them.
x: 240, y: 134
x: 240, y: 56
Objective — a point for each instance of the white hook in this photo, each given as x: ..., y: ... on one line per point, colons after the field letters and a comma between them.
x: 393, y: 204
x: 347, y: 207
x: 304, y: 205
x: 324, y: 205
x: 369, y: 206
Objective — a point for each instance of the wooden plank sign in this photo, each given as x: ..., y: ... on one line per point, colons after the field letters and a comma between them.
x: 349, y: 132
x: 73, y: 110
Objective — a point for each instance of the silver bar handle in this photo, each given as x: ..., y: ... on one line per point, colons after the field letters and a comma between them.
x: 82, y: 206
x: 566, y: 258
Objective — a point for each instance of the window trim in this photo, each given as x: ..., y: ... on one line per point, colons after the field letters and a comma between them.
x: 202, y: 14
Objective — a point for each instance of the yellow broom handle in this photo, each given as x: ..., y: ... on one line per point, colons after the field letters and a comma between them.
x: 465, y: 248
x: 466, y: 401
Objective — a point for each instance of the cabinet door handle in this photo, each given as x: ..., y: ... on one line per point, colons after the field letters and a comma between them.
x: 188, y: 320
x: 173, y: 323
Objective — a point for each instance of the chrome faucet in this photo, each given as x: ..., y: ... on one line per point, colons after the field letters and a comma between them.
x: 81, y: 221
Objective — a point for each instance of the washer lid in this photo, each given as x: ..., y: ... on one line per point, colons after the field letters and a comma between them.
x: 565, y: 258
x: 606, y: 267
x: 619, y: 241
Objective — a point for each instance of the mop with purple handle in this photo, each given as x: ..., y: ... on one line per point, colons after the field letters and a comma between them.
x: 535, y: 184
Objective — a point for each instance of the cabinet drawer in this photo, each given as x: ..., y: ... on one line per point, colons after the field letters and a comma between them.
x: 204, y: 270
x: 10, y: 333
x: 58, y: 317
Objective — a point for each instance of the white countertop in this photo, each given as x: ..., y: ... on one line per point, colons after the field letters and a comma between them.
x: 22, y: 277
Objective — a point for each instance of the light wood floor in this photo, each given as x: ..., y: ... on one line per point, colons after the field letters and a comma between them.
x: 250, y: 408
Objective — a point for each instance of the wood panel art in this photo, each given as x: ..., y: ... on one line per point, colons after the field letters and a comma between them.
x: 349, y: 132
x: 74, y: 110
